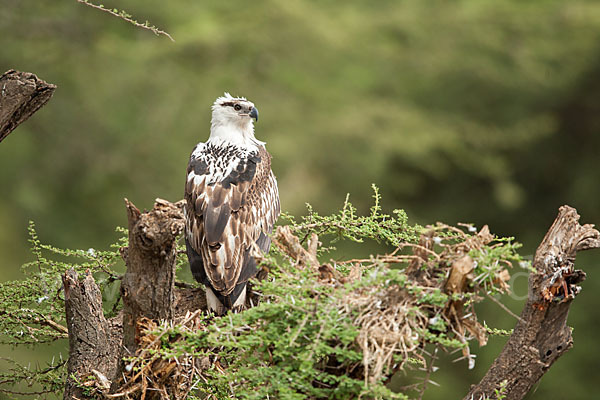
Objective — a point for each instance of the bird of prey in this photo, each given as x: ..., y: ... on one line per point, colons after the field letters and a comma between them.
x: 231, y: 204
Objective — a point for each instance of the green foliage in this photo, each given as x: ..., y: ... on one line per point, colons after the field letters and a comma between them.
x: 304, y: 339
x: 279, y: 348
x: 348, y: 224
x: 309, y: 337
x: 501, y: 392
x: 492, y: 260
x: 33, y: 307
x: 51, y: 378
x: 496, y: 331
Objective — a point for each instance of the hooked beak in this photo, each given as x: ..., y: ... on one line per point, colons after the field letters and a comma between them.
x: 254, y: 113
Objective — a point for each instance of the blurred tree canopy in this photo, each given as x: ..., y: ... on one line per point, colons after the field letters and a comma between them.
x: 478, y: 111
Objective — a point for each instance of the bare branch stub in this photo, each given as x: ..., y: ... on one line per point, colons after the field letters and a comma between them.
x: 94, y: 341
x: 21, y: 95
x: 542, y: 335
x: 188, y: 300
x: 290, y: 245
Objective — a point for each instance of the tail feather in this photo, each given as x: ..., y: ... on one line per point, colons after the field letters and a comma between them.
x: 236, y: 300
x: 220, y: 304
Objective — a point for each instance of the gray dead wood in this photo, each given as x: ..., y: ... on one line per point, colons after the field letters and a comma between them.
x: 93, y: 340
x: 542, y: 335
x: 148, y: 286
x: 21, y: 95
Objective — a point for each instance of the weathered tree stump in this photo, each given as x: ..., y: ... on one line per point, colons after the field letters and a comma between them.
x: 148, y: 286
x: 93, y: 340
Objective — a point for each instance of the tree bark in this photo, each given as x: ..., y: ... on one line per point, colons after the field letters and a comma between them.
x: 21, y: 95
x: 148, y: 290
x: 542, y: 335
x: 148, y: 286
x: 93, y: 340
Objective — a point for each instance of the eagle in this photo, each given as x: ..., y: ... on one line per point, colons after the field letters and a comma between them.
x: 231, y: 204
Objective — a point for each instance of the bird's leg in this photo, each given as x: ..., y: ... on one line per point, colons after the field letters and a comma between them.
x: 213, y: 303
x: 240, y: 303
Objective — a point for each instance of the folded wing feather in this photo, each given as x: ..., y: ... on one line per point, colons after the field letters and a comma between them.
x: 226, y: 215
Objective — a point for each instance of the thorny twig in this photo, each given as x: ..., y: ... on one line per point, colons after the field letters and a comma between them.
x: 503, y: 306
x: 430, y: 369
x: 126, y: 17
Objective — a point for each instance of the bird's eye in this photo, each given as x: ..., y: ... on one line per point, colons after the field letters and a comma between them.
x: 237, y: 107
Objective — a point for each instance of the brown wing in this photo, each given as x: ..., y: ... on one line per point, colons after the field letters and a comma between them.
x: 224, y: 219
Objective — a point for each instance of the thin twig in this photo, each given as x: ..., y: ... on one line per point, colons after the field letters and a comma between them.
x: 427, y: 377
x: 126, y: 17
x: 184, y: 285
x: 503, y: 306
x: 54, y: 325
x: 299, y: 330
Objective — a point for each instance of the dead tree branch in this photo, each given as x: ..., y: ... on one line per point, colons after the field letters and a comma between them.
x: 21, y: 95
x: 542, y: 335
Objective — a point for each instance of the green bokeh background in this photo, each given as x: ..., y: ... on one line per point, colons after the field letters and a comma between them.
x: 477, y: 111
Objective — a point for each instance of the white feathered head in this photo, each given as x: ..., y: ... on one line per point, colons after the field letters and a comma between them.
x: 232, y: 120
x: 234, y: 109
